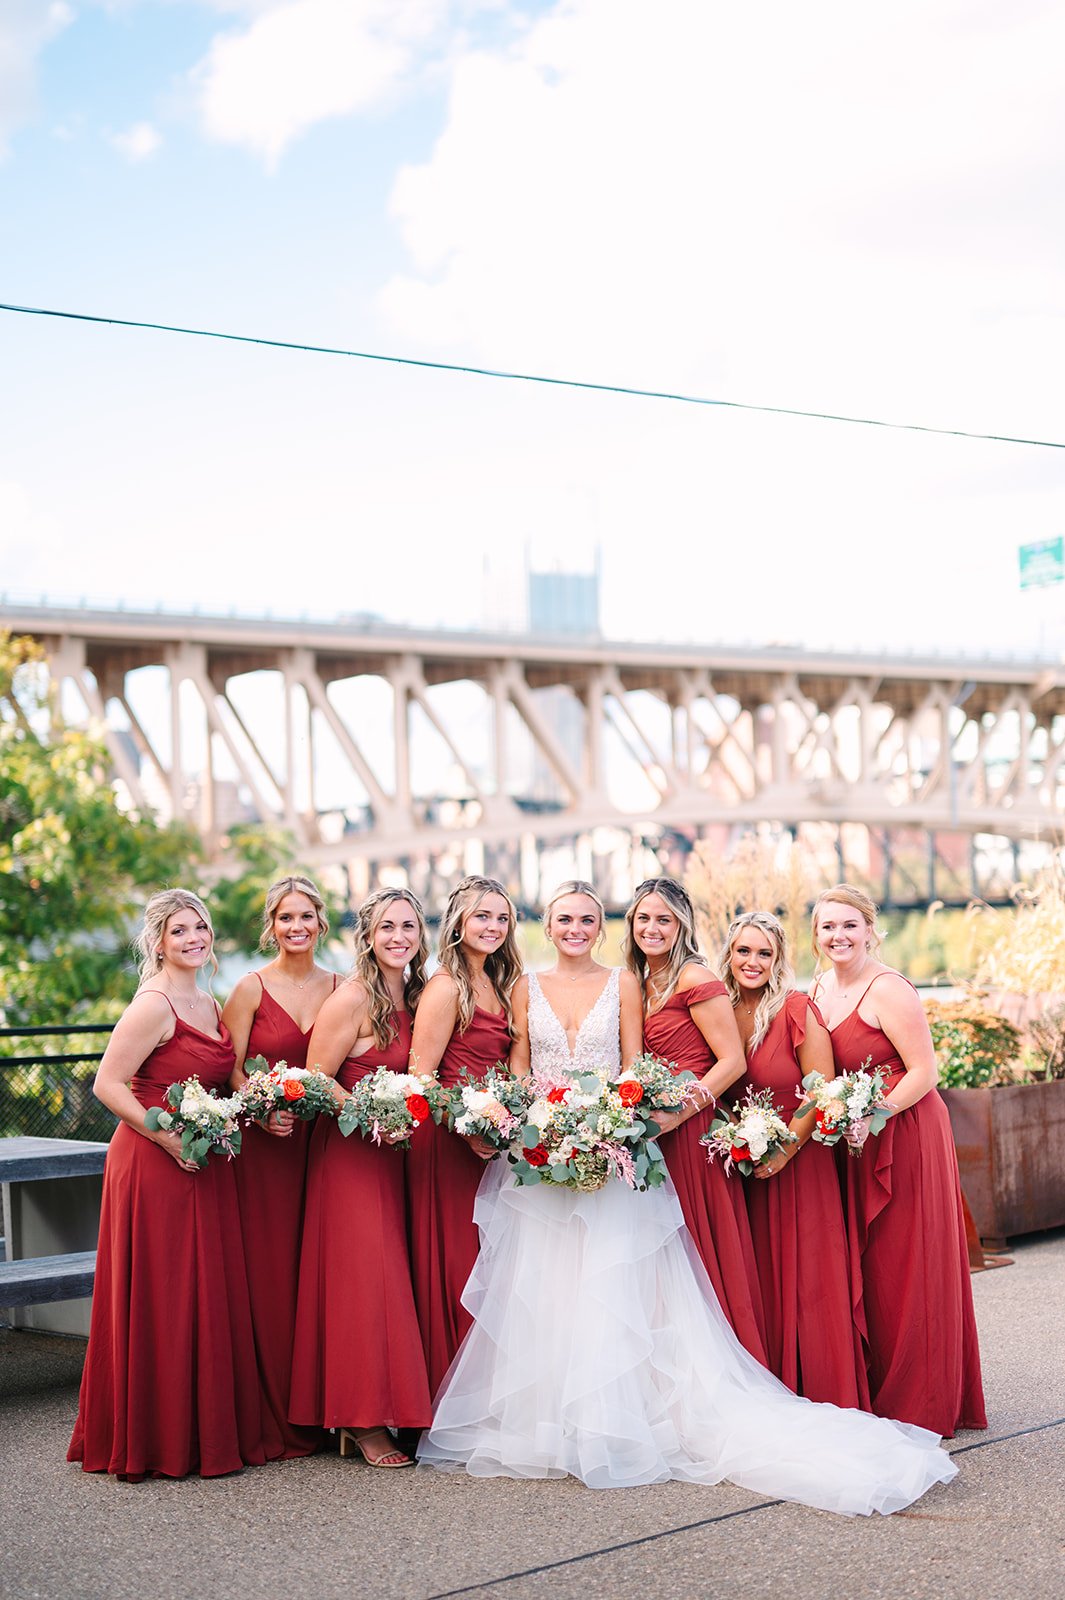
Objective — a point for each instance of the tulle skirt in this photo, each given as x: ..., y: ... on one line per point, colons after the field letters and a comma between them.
x: 599, y: 1350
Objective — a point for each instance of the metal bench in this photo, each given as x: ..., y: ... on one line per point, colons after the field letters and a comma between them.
x: 39, y: 1279
x: 51, y: 1201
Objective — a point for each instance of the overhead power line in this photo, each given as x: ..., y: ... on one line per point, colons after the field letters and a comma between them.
x: 534, y: 377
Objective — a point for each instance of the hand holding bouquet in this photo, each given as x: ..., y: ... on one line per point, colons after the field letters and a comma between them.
x: 579, y: 1132
x: 491, y: 1108
x: 387, y: 1106
x: 304, y: 1091
x: 653, y: 1086
x: 849, y: 1107
x: 207, y: 1124
x: 758, y: 1134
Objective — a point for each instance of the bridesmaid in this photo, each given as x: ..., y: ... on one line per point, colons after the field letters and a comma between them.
x: 793, y: 1200
x: 357, y: 1352
x: 270, y: 1013
x: 689, y: 1022
x: 464, y: 1022
x: 905, y: 1224
x: 168, y: 1386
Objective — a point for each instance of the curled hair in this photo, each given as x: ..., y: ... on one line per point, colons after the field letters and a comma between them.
x: 367, y: 970
x: 574, y: 886
x: 781, y: 976
x: 502, y: 968
x: 846, y: 894
x: 685, y: 946
x: 295, y: 884
x: 148, y: 944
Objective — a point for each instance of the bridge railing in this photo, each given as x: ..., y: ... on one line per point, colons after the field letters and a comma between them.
x: 48, y: 1094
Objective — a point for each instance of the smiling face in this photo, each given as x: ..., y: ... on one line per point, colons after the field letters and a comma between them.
x: 574, y: 925
x: 396, y: 936
x: 296, y: 925
x: 186, y: 942
x: 752, y: 957
x: 842, y: 933
x: 486, y: 925
x: 654, y: 927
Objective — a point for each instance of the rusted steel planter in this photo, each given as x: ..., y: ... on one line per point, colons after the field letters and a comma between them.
x: 1011, y: 1153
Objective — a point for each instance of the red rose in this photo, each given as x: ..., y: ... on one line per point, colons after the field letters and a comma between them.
x: 293, y: 1089
x: 630, y: 1093
x: 556, y: 1096
x: 537, y: 1156
x: 418, y: 1106
x: 740, y: 1152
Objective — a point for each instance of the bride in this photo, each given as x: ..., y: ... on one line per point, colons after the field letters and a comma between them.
x: 598, y: 1348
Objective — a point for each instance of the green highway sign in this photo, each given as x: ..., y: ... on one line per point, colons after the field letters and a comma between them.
x: 1042, y: 563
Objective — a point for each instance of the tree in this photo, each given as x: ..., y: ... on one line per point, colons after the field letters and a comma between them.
x: 74, y: 868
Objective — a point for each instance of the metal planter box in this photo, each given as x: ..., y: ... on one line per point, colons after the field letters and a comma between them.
x: 1011, y: 1153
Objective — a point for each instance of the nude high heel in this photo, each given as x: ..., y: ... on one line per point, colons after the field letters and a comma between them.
x: 352, y: 1443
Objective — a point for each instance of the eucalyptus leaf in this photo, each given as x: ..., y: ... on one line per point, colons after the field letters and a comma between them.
x: 530, y: 1137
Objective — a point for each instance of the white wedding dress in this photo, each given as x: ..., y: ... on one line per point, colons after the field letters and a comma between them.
x: 599, y: 1349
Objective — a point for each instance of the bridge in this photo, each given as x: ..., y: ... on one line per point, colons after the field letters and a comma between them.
x: 386, y: 745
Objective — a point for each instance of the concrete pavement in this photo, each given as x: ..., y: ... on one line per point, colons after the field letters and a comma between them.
x: 329, y: 1528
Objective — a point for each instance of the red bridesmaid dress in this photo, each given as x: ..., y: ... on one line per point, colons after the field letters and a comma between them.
x: 800, y: 1242
x: 271, y: 1174
x: 906, y: 1234
x: 714, y: 1206
x: 443, y: 1176
x: 169, y: 1385
x: 357, y: 1349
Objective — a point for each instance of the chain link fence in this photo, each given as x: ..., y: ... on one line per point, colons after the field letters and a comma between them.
x: 46, y: 1082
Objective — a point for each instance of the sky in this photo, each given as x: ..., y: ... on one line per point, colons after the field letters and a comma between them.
x: 834, y: 207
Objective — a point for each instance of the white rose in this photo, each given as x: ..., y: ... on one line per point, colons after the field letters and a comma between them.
x: 581, y: 1102
x: 540, y: 1114
x: 189, y: 1106
x: 477, y: 1101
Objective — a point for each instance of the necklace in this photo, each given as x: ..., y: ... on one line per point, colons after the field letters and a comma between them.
x: 184, y: 1001
x: 843, y: 993
x: 294, y: 981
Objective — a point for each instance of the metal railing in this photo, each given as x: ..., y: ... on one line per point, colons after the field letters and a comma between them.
x: 49, y: 1095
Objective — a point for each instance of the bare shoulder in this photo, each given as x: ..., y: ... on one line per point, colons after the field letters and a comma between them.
x: 890, y: 994
x: 629, y: 984
x: 693, y: 975
x: 347, y: 999
x: 148, y: 1014
x: 247, y: 990
x: 520, y: 992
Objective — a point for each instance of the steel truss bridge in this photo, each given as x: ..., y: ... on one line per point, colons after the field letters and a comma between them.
x: 930, y: 776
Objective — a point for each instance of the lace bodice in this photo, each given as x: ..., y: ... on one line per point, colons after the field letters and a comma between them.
x: 598, y: 1038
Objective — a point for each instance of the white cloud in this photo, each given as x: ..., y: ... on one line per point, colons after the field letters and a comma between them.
x: 826, y: 204
x: 139, y: 142
x: 26, y: 26
x: 303, y: 61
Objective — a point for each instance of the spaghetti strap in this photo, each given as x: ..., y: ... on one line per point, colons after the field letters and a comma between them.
x: 334, y: 988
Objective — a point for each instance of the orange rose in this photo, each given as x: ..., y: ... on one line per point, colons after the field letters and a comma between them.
x: 293, y: 1089
x: 630, y: 1093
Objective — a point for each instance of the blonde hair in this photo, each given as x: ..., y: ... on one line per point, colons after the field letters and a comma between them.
x: 367, y: 970
x: 148, y: 944
x: 502, y: 967
x: 781, y: 976
x: 685, y: 947
x: 574, y: 886
x: 847, y: 895
x: 295, y: 884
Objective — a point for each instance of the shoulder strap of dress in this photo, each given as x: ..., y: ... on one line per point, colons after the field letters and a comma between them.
x: 169, y: 1002
x: 336, y: 975
x: 262, y: 985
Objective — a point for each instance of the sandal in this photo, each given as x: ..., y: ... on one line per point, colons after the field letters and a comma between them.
x: 351, y: 1442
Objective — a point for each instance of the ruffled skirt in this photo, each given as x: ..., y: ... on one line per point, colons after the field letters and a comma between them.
x: 599, y: 1350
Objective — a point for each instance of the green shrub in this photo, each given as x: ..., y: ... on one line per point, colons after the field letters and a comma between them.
x: 973, y: 1045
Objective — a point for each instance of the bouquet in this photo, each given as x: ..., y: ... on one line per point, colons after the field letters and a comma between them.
x: 579, y: 1132
x: 492, y: 1107
x: 206, y: 1123
x: 388, y: 1105
x: 849, y: 1107
x: 305, y: 1092
x: 654, y: 1085
x: 757, y: 1135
